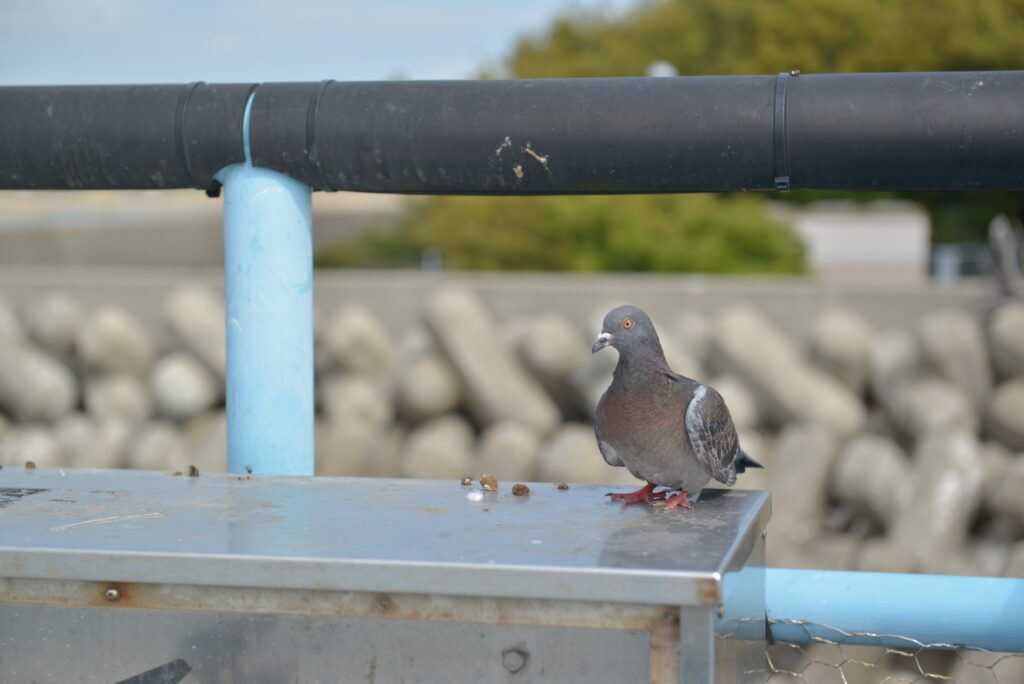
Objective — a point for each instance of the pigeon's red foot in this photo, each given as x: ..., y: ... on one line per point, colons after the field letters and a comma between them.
x: 677, y: 501
x: 647, y: 493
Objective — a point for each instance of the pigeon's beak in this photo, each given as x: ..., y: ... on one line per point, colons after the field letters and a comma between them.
x: 603, y: 340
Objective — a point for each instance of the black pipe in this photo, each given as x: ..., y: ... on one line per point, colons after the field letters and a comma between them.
x: 119, y: 137
x: 905, y: 132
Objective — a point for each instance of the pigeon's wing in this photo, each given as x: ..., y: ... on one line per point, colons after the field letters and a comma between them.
x: 712, y: 434
x: 610, y: 457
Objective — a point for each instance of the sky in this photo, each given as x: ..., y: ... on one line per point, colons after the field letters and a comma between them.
x: 72, y: 42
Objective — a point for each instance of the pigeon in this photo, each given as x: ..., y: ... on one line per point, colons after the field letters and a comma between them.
x: 666, y: 429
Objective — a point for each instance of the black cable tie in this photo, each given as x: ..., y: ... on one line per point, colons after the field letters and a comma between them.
x: 781, y: 150
x: 312, y: 120
x: 179, y: 127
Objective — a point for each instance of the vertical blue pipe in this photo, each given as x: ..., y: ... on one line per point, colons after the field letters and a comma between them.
x: 268, y: 293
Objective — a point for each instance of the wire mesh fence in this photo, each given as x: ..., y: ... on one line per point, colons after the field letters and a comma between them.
x: 833, y: 655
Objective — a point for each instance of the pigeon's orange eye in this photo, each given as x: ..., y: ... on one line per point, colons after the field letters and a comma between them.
x: 628, y: 323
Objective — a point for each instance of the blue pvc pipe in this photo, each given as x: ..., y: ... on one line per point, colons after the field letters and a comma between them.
x: 268, y: 293
x: 981, y: 612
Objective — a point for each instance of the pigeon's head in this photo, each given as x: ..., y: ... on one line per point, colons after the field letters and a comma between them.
x: 626, y: 327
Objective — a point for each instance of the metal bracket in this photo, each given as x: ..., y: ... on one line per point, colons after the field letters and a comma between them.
x: 781, y: 151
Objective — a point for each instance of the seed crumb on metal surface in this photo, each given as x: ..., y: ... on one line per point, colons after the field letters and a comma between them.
x: 30, y: 465
x: 561, y: 486
x: 520, y: 489
x: 466, y: 481
x: 192, y: 471
x: 489, y: 483
x: 177, y: 473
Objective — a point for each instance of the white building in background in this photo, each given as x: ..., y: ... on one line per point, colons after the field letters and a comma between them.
x: 885, y: 242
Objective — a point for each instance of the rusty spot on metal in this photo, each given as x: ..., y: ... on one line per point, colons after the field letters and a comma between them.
x: 664, y: 655
x: 414, y: 607
x: 707, y: 590
x: 433, y: 509
x: 383, y: 604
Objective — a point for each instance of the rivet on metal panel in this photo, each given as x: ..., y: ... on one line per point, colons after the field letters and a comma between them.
x: 514, y: 659
x: 112, y: 594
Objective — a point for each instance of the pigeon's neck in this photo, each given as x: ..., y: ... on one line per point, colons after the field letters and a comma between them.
x: 642, y: 367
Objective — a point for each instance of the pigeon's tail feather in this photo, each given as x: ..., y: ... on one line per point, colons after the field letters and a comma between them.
x: 744, y: 462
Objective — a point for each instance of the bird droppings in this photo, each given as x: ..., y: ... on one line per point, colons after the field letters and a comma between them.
x: 518, y: 170
x: 192, y: 471
x: 489, y: 483
x: 507, y: 142
x: 475, y: 495
x: 30, y: 465
x: 542, y: 159
x: 561, y: 486
x: 520, y: 490
x: 467, y: 481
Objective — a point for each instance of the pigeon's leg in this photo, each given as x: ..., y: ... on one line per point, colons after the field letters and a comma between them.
x: 679, y: 500
x: 646, y: 493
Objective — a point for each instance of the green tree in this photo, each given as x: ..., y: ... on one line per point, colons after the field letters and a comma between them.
x: 599, y: 233
x: 742, y: 37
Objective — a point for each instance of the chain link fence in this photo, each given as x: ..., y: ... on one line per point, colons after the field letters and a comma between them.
x: 833, y: 655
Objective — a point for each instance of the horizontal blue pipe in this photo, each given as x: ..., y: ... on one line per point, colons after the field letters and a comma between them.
x: 268, y: 297
x: 902, y: 610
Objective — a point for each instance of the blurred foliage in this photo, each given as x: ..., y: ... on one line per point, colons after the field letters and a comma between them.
x: 743, y: 37
x: 599, y: 233
x: 700, y: 233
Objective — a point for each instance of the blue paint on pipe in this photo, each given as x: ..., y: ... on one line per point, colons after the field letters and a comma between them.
x: 268, y: 294
x: 981, y: 612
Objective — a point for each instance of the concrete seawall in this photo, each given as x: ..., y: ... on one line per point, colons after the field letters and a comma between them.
x: 398, y: 297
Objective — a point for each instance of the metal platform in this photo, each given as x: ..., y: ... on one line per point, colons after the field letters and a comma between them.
x: 111, y: 573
